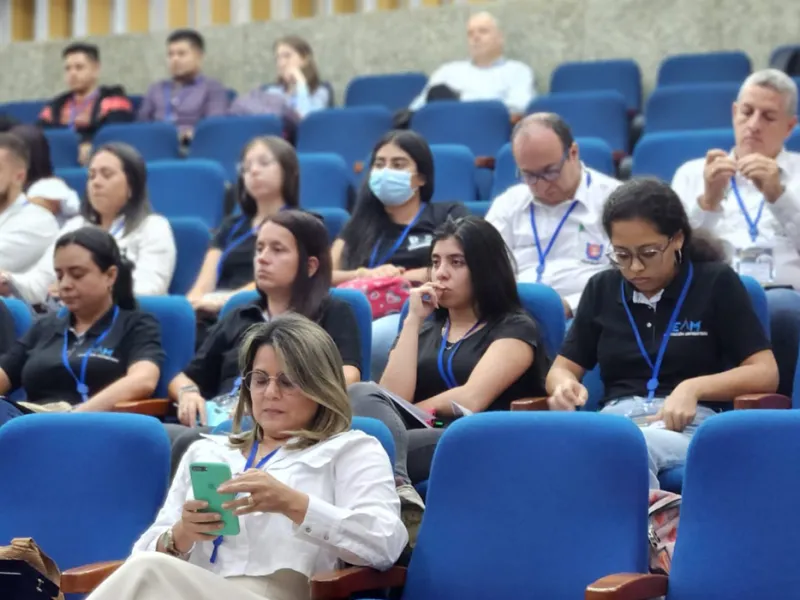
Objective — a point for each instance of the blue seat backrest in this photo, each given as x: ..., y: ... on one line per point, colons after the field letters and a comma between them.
x: 394, y: 91
x: 325, y: 181
x: 454, y: 166
x: 662, y: 153
x: 682, y: 69
x: 688, y: 107
x: 157, y: 140
x: 621, y: 75
x: 192, y: 238
x: 187, y: 188
x: 178, y: 327
x: 23, y: 318
x: 482, y: 126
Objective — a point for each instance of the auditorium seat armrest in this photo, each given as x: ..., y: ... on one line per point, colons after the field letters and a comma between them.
x: 628, y: 586
x: 341, y: 584
x: 625, y: 168
x: 530, y: 404
x: 358, y: 167
x: 484, y: 162
x: 762, y: 401
x: 84, y: 579
x: 154, y: 407
x: 637, y: 129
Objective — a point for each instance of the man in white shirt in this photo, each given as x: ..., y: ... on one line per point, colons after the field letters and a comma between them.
x: 750, y: 198
x: 552, y: 222
x: 487, y: 75
x: 26, y: 230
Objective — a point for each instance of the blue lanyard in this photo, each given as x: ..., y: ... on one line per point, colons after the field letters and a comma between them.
x: 752, y: 226
x: 80, y: 383
x: 448, y: 376
x: 76, y: 109
x: 120, y: 226
x: 169, y: 101
x: 543, y: 255
x: 232, y: 243
x: 218, y: 540
x: 652, y: 383
x: 373, y: 257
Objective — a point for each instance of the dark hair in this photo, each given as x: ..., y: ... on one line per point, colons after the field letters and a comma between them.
x: 16, y: 147
x: 303, y: 48
x: 655, y: 202
x: 7, y: 122
x: 286, y: 157
x: 310, y: 294
x: 91, y: 51
x: 138, y: 206
x: 491, y: 266
x: 187, y: 35
x: 40, y: 166
x: 550, y: 121
x: 105, y: 254
x: 369, y: 220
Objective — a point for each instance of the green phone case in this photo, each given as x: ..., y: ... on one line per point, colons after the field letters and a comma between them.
x: 206, y: 478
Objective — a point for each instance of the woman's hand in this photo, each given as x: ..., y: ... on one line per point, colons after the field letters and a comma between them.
x: 210, y: 303
x: 385, y: 271
x: 192, y: 409
x: 295, y: 75
x: 423, y: 300
x: 195, y: 526
x: 266, y: 494
x: 679, y: 409
x: 568, y: 396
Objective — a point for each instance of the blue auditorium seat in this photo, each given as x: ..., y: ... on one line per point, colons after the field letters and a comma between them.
x: 178, y: 326
x: 661, y: 154
x: 63, y: 147
x: 192, y: 238
x: 708, y: 67
x: 687, y: 107
x: 74, y: 177
x: 394, y: 91
x: 187, y: 188
x: 325, y: 181
x: 157, y: 140
x: 21, y: 312
x: 26, y: 111
x: 600, y: 114
x: 223, y: 138
x: 334, y: 219
x: 481, y: 126
x: 621, y: 75
x: 793, y: 141
x: 454, y: 168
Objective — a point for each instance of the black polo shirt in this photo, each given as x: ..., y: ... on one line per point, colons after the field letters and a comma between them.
x: 35, y: 361
x: 236, y: 235
x: 716, y: 330
x: 215, y: 367
x: 7, y: 330
x: 517, y: 326
x: 414, y: 251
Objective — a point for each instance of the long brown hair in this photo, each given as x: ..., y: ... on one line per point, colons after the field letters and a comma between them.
x: 303, y: 48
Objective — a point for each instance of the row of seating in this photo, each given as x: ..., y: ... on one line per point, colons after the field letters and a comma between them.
x: 593, y: 506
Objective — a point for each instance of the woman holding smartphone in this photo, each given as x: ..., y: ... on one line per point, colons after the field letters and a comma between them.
x: 316, y: 491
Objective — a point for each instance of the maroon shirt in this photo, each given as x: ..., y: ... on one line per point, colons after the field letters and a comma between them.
x: 186, y: 104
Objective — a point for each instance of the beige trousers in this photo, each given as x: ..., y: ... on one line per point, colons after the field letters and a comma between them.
x: 157, y: 576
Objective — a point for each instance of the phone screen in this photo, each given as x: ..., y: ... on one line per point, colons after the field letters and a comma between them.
x: 206, y: 478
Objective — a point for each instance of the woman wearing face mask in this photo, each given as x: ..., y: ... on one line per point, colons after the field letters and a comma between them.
x: 293, y: 273
x: 672, y: 328
x: 118, y: 204
x: 103, y: 350
x: 269, y: 180
x: 391, y: 230
x: 479, y: 350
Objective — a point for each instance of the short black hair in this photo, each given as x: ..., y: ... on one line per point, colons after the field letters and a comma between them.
x: 655, y: 202
x: 16, y: 147
x: 187, y: 35
x: 490, y: 263
x: 550, y: 121
x: 90, y: 50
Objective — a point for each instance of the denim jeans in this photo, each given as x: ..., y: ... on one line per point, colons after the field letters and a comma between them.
x: 784, y: 321
x: 384, y: 332
x: 665, y: 449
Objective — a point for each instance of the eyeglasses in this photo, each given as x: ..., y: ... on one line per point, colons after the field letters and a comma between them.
x: 550, y: 174
x: 623, y: 258
x: 258, y: 382
x: 261, y: 161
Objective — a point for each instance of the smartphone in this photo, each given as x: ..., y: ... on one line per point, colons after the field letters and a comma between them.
x: 206, y: 478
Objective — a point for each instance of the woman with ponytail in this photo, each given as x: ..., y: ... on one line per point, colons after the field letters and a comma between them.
x: 102, y: 349
x: 672, y: 327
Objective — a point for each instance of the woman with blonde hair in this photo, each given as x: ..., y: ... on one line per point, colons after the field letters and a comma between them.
x: 310, y: 492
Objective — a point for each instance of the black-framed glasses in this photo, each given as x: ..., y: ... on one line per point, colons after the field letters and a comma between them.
x: 258, y: 382
x: 550, y: 174
x: 647, y: 255
x: 261, y: 161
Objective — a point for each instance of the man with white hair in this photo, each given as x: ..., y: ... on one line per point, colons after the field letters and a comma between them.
x: 749, y: 197
x: 487, y: 75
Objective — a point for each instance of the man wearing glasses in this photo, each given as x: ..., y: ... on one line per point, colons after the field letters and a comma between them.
x: 551, y: 219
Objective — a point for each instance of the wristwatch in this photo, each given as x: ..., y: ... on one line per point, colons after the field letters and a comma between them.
x: 185, y: 390
x: 168, y: 540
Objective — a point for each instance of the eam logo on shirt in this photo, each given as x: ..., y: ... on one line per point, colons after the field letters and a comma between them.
x: 687, y: 328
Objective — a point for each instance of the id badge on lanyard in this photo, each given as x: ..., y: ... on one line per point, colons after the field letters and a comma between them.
x: 757, y: 263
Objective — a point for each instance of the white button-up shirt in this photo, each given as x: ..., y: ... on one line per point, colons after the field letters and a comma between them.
x: 579, y: 250
x: 353, y: 510
x: 26, y: 232
x: 509, y: 81
x: 778, y: 229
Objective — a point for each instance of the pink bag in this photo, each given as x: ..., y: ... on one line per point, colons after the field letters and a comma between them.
x: 665, y: 514
x: 386, y: 295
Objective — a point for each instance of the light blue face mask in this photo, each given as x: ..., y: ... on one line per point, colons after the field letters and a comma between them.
x: 391, y: 186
